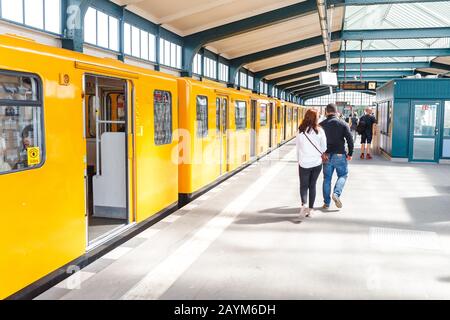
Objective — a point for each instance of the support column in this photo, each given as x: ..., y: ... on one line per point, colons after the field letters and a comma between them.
x: 72, y: 24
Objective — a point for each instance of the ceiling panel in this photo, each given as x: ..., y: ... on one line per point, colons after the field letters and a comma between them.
x: 301, y: 69
x: 275, y: 35
x: 290, y: 57
x: 187, y: 17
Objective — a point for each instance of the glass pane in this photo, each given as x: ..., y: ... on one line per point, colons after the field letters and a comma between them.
x: 424, y: 148
x: 12, y: 10
x: 53, y: 16
x: 202, y: 116
x: 102, y: 25
x: 90, y: 26
x: 127, y: 38
x: 179, y: 57
x: 425, y: 120
x: 34, y: 13
x: 20, y: 130
x: 144, y: 45
x: 447, y: 119
x: 446, y: 148
x: 163, y: 117
x: 263, y: 116
x: 218, y: 115
x: 173, y: 55
x: 113, y: 34
x: 151, y: 47
x: 18, y: 88
x: 135, y: 42
x: 166, y: 52
x: 241, y: 115
x: 161, y: 50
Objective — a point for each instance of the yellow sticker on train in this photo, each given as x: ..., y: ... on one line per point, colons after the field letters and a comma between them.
x: 34, y: 156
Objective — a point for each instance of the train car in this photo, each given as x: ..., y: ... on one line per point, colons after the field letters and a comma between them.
x: 215, y: 133
x: 91, y: 147
x: 279, y: 122
x: 86, y: 151
x: 262, y: 121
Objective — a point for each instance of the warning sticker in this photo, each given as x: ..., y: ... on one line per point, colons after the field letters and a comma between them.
x: 34, y: 156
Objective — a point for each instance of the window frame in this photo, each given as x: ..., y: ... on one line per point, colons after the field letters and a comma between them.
x: 235, y: 115
x: 22, y: 103
x: 171, y: 118
x: 204, y: 133
x: 30, y: 27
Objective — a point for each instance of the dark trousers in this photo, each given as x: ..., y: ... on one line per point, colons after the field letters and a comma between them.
x: 308, y: 181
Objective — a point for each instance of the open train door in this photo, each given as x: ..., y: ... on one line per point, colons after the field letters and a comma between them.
x: 109, y: 153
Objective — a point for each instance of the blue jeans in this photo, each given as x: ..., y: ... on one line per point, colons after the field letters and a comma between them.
x: 338, y: 162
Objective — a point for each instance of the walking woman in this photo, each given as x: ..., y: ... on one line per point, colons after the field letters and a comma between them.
x: 311, y: 145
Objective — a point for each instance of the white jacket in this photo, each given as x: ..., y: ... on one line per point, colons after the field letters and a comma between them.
x: 307, y: 155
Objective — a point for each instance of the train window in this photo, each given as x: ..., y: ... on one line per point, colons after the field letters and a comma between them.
x: 278, y: 114
x: 21, y: 125
x: 218, y: 115
x: 202, y: 116
x: 263, y: 116
x: 241, y: 115
x: 163, y: 117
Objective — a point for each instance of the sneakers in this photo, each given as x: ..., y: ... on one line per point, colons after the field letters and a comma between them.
x: 303, y: 211
x: 309, y: 213
x: 368, y: 157
x: 325, y: 207
x: 362, y: 156
x: 337, y: 201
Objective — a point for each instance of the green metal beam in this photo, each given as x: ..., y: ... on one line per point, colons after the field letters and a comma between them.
x: 384, y: 65
x: 383, y: 34
x: 301, y: 74
x: 299, y: 82
x: 388, y: 73
x: 438, y: 65
x: 391, y: 53
x: 297, y: 64
x: 372, y: 2
x: 305, y: 86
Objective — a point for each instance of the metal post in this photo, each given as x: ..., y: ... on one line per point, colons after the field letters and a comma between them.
x: 360, y: 62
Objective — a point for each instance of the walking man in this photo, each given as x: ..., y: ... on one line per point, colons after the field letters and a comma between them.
x: 366, y: 122
x: 337, y: 132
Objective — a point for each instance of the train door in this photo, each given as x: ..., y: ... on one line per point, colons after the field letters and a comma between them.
x: 222, y: 104
x: 270, y: 124
x: 284, y: 122
x: 107, y: 163
x: 253, y: 129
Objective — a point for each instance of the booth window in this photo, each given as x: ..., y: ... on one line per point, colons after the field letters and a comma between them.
x: 21, y: 125
x: 202, y: 116
x: 446, y: 133
x: 163, y: 117
x: 241, y: 115
x: 263, y: 116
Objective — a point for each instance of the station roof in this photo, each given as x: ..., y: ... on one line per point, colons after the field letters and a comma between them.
x: 281, y: 41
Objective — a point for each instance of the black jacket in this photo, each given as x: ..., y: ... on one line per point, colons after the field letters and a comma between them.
x: 336, y: 131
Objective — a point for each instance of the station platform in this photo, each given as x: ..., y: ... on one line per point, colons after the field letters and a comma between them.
x: 244, y: 240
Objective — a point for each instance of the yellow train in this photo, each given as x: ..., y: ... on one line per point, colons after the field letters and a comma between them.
x: 91, y: 148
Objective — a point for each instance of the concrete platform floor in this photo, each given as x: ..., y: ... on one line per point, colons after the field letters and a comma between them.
x: 243, y: 240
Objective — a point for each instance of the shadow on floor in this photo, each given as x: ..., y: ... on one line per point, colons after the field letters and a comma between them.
x: 444, y: 279
x: 425, y: 210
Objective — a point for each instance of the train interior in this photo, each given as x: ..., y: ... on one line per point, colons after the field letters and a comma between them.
x: 106, y: 178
